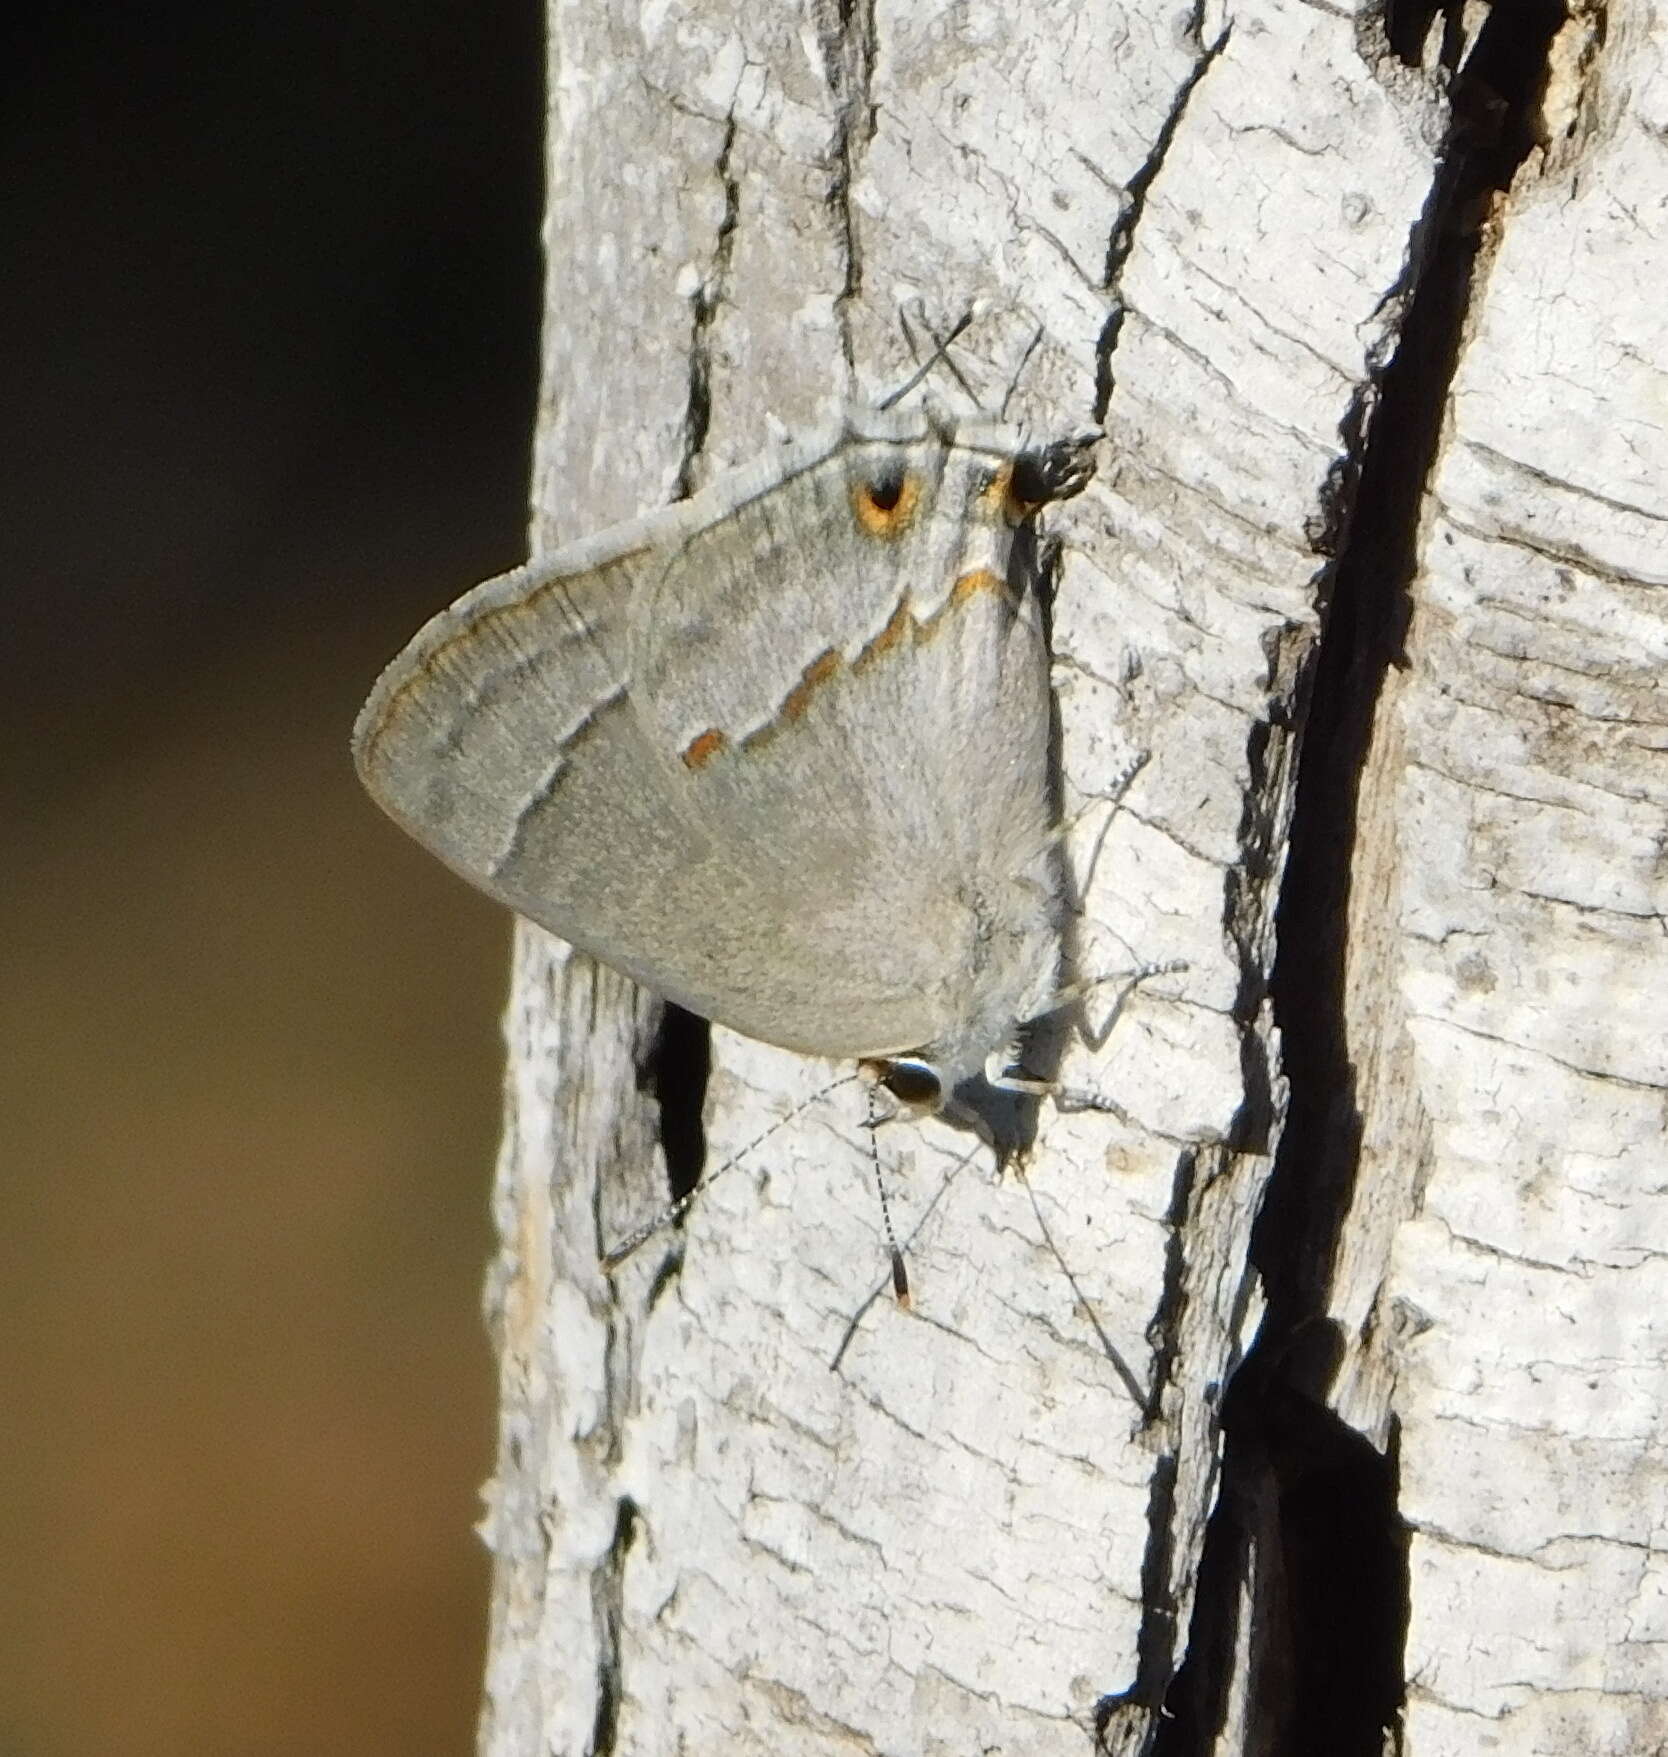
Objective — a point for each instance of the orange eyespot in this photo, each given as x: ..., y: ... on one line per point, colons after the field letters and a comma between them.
x: 886, y: 503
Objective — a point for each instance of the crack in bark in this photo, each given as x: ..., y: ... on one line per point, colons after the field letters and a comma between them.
x: 1563, y: 485
x: 846, y: 35
x: 1558, y: 555
x: 680, y: 1064
x: 1603, y: 1076
x: 1121, y: 240
x: 608, y: 1610
x: 704, y: 303
x: 1123, y: 1722
x: 1307, y: 1542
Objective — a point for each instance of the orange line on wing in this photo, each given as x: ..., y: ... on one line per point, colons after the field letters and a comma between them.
x: 901, y: 626
x: 798, y: 699
x: 811, y: 679
x: 981, y: 579
x: 901, y: 629
x: 702, y: 748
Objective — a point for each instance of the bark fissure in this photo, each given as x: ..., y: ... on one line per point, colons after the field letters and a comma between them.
x: 679, y: 1067
x: 608, y: 1603
x: 1121, y: 239
x: 846, y: 34
x: 1307, y: 1522
x: 1122, y: 1720
x: 704, y: 303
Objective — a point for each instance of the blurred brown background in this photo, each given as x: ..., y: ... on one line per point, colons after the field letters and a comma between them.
x: 268, y: 324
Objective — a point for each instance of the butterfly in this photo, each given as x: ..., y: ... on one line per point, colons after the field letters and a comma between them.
x: 778, y: 752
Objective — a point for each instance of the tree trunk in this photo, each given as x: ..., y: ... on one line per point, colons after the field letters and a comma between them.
x: 1375, y: 329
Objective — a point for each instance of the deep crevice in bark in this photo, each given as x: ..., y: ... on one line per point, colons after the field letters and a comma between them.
x: 608, y: 1601
x: 1121, y: 1719
x: 680, y: 1065
x: 1307, y: 1544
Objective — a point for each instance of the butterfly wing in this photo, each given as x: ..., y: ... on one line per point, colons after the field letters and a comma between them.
x: 857, y: 689
x: 758, y: 751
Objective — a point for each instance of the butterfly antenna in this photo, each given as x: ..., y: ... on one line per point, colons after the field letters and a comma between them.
x: 941, y: 351
x: 921, y: 1220
x: 673, y: 1212
x: 900, y: 1276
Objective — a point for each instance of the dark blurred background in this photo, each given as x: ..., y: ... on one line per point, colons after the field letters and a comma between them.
x: 268, y: 322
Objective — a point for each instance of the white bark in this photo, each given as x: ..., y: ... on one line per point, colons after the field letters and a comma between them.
x: 1510, y: 1313
x: 970, y: 1536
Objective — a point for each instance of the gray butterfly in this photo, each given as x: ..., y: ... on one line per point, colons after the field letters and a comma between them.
x: 778, y: 752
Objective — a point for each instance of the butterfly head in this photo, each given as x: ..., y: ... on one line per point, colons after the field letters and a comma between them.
x: 917, y: 1086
